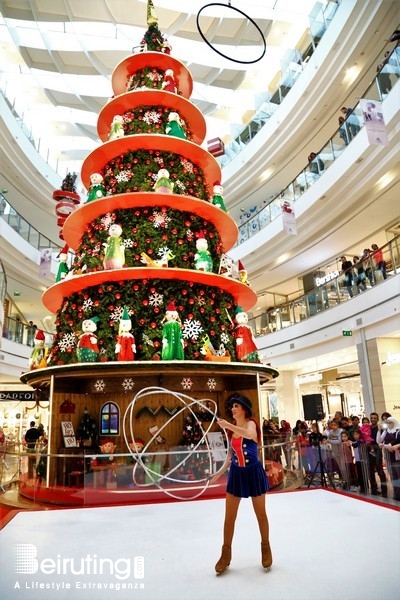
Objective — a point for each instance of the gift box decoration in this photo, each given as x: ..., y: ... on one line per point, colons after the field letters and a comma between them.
x: 216, y: 147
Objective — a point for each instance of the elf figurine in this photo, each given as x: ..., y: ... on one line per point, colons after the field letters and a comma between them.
x: 217, y: 199
x: 96, y: 189
x: 125, y: 347
x: 172, y: 342
x: 39, y: 353
x: 246, y: 349
x: 114, y: 256
x: 63, y: 269
x: 163, y: 185
x: 202, y: 258
x: 169, y: 84
x: 242, y: 273
x: 87, y: 349
x: 117, y: 128
x: 174, y: 126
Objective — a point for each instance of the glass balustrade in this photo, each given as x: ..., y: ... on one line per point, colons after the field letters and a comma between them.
x: 331, y: 293
x: 251, y: 223
x: 23, y: 228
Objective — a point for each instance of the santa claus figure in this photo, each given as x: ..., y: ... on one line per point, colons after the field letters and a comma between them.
x: 125, y: 347
x: 87, y: 349
x: 169, y: 84
x: 246, y: 349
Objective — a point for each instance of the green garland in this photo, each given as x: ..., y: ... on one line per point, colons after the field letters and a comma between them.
x: 179, y: 234
x: 149, y: 77
x: 151, y: 119
x: 136, y: 171
x: 194, y: 302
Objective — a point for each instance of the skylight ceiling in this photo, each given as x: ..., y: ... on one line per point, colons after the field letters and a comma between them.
x: 61, y: 53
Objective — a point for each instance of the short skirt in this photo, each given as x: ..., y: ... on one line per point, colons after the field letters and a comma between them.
x: 245, y: 482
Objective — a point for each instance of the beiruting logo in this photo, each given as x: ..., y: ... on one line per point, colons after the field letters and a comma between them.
x: 26, y: 562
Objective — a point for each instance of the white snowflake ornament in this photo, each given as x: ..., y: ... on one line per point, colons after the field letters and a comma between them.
x: 211, y: 383
x: 186, y: 383
x: 128, y: 384
x: 191, y: 329
x: 99, y: 385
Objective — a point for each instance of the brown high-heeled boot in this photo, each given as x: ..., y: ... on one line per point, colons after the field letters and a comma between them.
x: 224, y: 561
x: 266, y: 555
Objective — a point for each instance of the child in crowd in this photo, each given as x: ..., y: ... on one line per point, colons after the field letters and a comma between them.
x: 347, y: 461
x: 366, y: 434
x: 361, y: 460
x: 366, y: 430
x: 334, y: 433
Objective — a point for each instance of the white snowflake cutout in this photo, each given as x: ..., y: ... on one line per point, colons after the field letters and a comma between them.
x: 99, y: 385
x: 128, y: 384
x: 156, y: 299
x: 87, y: 305
x: 224, y: 338
x: 186, y: 383
x: 191, y: 329
x: 108, y: 220
x: 67, y: 341
x: 160, y: 219
x: 211, y: 383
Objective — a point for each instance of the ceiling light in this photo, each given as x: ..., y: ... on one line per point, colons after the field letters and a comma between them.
x: 265, y: 175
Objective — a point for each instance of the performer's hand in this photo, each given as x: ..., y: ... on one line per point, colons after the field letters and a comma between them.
x: 222, y: 423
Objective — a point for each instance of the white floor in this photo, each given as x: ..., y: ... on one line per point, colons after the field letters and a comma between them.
x: 325, y: 545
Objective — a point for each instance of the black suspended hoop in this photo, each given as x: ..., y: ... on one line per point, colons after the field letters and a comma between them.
x: 242, y: 62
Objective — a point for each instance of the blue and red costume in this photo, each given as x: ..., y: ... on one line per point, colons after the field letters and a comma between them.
x: 247, y: 475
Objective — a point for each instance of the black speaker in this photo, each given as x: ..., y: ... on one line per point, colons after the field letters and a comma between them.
x: 313, y: 407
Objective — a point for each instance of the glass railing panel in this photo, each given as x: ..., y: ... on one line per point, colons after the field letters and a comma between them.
x: 33, y: 237
x: 332, y: 149
x: 340, y: 140
x: 326, y: 156
x: 331, y: 293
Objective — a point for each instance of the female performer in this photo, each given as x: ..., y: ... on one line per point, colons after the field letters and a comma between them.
x: 247, y: 478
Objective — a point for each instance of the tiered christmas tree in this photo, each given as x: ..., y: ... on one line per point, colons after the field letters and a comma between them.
x: 151, y: 280
x: 152, y: 240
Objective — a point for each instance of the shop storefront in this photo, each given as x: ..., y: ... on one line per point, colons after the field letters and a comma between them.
x: 18, y: 409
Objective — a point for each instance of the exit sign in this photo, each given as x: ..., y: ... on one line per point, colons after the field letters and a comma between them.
x: 347, y: 332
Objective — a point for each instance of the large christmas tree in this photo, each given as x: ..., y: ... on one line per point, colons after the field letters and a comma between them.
x: 155, y: 236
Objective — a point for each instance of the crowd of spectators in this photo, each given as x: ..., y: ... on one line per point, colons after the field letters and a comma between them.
x: 361, y: 455
x: 369, y: 267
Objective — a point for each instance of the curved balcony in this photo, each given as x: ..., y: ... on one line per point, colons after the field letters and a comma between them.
x: 331, y: 291
x: 251, y: 223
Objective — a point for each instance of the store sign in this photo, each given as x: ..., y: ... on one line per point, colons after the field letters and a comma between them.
x: 328, y: 277
x: 309, y: 378
x: 17, y: 396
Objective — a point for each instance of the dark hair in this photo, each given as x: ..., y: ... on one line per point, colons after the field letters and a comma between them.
x: 32, y: 423
x: 244, y: 403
